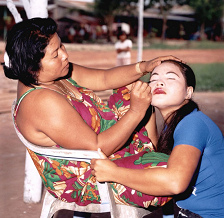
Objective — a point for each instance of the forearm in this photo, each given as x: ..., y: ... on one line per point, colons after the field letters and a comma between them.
x: 116, y: 136
x: 154, y: 181
x: 123, y: 49
x: 123, y: 75
x: 157, y: 181
x: 100, y: 79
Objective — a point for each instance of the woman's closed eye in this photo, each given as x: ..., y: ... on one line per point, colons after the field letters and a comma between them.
x: 153, y: 80
x: 61, y: 47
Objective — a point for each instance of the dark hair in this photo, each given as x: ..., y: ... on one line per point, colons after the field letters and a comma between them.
x: 166, y: 141
x: 121, y: 33
x: 25, y: 46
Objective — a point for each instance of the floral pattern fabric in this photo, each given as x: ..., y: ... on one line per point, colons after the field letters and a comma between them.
x: 71, y: 181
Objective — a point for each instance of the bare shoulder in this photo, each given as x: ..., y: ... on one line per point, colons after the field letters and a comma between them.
x: 47, y: 118
x: 41, y: 100
x: 39, y: 110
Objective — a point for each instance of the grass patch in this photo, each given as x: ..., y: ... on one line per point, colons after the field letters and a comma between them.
x: 206, y: 45
x: 183, y: 44
x: 209, y: 77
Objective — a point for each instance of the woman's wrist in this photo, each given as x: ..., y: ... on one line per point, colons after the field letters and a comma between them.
x: 139, y: 68
x: 136, y: 115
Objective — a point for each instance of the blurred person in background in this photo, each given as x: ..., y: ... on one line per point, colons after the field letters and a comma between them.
x: 123, y: 48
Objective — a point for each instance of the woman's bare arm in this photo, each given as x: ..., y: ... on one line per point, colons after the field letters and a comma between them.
x: 46, y: 114
x: 99, y: 79
x: 158, y: 181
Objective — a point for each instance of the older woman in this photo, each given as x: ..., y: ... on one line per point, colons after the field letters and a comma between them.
x: 57, y: 107
x: 194, y: 172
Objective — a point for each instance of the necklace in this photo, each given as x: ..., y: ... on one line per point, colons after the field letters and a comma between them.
x: 61, y: 85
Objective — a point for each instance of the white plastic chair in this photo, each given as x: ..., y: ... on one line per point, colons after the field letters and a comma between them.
x: 33, y: 185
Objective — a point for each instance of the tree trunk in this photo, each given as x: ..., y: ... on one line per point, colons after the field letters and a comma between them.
x: 163, y: 36
x: 109, y: 20
x: 202, y: 31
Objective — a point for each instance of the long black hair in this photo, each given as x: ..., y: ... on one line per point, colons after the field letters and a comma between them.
x: 25, y: 46
x: 166, y: 141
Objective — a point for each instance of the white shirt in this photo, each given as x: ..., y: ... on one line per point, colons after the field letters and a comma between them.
x: 121, y: 45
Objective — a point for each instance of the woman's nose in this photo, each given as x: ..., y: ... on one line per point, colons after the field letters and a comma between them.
x: 160, y: 83
x: 64, y: 55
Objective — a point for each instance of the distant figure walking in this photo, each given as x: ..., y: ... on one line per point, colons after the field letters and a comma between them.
x: 123, y: 47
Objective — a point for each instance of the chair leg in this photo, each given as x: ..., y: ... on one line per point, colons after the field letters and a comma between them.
x: 32, y: 182
x: 121, y: 211
x: 47, y: 203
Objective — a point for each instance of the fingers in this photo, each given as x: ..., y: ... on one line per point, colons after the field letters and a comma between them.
x: 170, y: 57
x: 150, y: 65
x: 92, y: 163
x: 102, y: 155
x: 142, y: 87
x: 97, y: 169
x: 93, y: 172
x: 139, y: 85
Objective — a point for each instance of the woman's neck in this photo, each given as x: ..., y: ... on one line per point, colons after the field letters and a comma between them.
x: 166, y: 112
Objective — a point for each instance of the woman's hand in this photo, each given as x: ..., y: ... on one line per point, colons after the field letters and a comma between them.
x: 140, y: 97
x: 103, y: 169
x: 150, y: 65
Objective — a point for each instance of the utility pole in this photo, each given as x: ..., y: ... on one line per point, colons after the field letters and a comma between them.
x: 140, y: 29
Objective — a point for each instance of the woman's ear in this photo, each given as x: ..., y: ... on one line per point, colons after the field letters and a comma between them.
x: 190, y: 91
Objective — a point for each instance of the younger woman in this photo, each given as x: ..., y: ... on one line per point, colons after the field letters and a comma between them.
x: 194, y: 172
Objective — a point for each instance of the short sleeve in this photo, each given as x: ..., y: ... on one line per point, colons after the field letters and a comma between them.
x: 117, y: 45
x: 191, y: 130
x: 129, y: 43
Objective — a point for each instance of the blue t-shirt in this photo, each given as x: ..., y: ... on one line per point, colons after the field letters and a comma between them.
x: 205, y: 195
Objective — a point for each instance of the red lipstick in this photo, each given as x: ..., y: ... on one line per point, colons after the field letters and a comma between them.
x: 158, y: 91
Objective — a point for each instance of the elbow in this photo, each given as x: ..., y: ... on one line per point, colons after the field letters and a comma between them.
x: 177, y: 187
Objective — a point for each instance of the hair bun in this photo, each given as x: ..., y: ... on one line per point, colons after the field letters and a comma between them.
x: 10, y: 73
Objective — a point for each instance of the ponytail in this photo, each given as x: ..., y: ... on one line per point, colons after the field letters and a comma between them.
x: 166, y: 141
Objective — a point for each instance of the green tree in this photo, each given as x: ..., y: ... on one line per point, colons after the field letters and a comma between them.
x: 207, y: 11
x: 108, y: 9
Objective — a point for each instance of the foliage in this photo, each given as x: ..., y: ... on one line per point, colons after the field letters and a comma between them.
x: 111, y: 8
x: 207, y: 10
x: 107, y: 9
x: 164, y: 5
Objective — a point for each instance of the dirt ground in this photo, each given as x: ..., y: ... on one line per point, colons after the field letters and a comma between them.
x: 12, y: 152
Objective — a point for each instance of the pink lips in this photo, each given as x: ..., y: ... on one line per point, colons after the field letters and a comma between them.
x: 158, y: 91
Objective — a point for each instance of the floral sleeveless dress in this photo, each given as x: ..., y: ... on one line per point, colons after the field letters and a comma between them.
x: 71, y: 181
